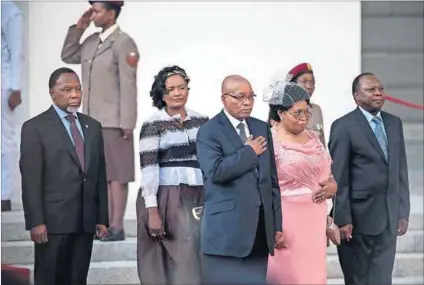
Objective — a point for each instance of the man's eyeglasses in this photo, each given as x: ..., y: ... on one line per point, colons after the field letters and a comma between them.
x: 300, y: 114
x: 241, y: 97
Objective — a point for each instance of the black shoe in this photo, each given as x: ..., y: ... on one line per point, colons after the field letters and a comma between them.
x: 114, y: 235
x: 6, y: 206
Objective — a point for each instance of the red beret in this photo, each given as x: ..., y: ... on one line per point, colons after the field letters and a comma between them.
x: 115, y: 4
x: 300, y: 68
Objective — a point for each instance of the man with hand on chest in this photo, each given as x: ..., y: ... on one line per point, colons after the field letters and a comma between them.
x: 241, y: 222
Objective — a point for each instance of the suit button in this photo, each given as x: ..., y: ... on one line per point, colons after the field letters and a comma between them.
x: 85, y: 179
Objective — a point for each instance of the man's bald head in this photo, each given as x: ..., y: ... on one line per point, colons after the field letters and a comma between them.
x: 231, y: 83
x: 237, y: 96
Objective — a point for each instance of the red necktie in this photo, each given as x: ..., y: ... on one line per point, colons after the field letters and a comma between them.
x: 78, y: 141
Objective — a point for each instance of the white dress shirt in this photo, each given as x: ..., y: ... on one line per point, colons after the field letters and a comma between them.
x: 235, y: 122
x: 106, y: 33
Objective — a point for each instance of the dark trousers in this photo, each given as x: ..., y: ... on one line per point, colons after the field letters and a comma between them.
x: 239, y: 271
x: 64, y: 260
x: 368, y: 259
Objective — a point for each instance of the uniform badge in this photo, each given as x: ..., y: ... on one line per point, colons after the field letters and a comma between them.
x: 132, y: 59
x: 308, y: 66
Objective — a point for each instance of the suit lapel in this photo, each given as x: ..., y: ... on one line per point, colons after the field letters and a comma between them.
x: 369, y: 133
x: 229, y: 130
x: 87, y: 140
x: 391, y: 133
x: 255, y: 131
x: 57, y: 124
x: 108, y: 42
x: 91, y: 48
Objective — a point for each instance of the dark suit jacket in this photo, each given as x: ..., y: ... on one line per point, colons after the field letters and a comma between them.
x: 237, y: 183
x: 55, y: 190
x: 371, y: 191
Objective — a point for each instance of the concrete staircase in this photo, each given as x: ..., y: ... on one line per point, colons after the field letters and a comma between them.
x: 115, y: 263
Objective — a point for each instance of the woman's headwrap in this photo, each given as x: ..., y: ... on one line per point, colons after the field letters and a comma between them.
x: 177, y: 72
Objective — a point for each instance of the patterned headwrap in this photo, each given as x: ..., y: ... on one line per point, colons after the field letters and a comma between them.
x: 177, y: 72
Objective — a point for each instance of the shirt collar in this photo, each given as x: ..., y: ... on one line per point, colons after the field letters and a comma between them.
x: 235, y: 122
x: 177, y: 116
x: 105, y: 34
x: 62, y: 114
x: 370, y: 116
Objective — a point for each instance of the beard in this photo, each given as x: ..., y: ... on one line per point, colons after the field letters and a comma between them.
x: 72, y: 109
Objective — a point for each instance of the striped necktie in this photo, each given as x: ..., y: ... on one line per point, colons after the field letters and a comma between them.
x: 381, y: 137
x: 77, y: 138
x: 242, y: 133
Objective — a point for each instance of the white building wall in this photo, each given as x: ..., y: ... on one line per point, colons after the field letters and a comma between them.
x: 212, y: 40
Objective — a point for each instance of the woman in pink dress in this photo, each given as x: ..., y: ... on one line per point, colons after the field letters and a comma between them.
x: 304, y: 172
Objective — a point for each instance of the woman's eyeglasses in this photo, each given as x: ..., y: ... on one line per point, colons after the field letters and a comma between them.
x: 300, y: 114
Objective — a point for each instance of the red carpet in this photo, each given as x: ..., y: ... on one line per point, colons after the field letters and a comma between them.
x: 14, y: 275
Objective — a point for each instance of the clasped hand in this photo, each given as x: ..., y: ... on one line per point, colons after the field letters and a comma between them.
x: 279, y: 240
x: 328, y: 190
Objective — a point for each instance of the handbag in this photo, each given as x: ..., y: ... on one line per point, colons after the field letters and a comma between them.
x: 333, y: 231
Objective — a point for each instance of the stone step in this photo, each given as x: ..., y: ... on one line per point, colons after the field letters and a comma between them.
x: 107, y: 273
x: 13, y: 227
x: 416, y: 180
x: 406, y: 264
x: 414, y: 156
x: 125, y: 272
x: 413, y: 132
x: 21, y: 252
x: 396, y: 281
x: 411, y: 242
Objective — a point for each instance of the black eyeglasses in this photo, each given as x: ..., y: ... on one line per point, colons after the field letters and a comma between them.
x: 242, y: 97
x: 300, y: 114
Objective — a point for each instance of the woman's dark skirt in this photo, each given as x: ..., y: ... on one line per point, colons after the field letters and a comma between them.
x: 175, y: 260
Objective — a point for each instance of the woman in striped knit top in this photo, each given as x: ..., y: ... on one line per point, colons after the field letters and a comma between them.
x: 171, y: 185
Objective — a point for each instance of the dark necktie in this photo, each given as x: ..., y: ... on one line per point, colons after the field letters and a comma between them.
x: 78, y: 141
x: 381, y: 138
x: 242, y: 133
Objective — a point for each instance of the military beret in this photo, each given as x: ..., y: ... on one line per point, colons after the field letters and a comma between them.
x: 298, y: 69
x: 115, y: 4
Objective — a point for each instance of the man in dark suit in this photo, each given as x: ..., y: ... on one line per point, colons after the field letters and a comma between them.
x: 241, y: 222
x: 64, y: 187
x: 372, y: 203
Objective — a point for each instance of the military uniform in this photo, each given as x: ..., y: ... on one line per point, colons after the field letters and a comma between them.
x: 11, y: 65
x: 316, y: 122
x: 109, y: 78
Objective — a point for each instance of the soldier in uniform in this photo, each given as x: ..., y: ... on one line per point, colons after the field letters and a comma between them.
x: 109, y: 62
x: 11, y: 65
x: 303, y: 75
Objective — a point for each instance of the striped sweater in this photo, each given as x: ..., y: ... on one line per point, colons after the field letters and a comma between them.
x: 168, y: 152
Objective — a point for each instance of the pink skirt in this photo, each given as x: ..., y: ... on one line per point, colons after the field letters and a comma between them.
x: 304, y: 260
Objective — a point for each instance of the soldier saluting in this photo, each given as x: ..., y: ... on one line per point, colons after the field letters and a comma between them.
x: 109, y: 62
